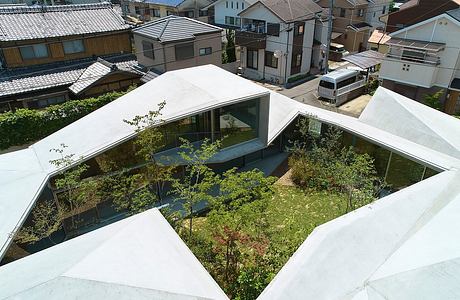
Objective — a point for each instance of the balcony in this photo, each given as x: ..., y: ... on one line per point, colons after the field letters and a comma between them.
x: 250, y: 39
x: 408, y: 72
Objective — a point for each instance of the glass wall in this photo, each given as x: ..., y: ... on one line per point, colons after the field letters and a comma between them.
x: 403, y: 172
x: 193, y: 128
x: 238, y: 122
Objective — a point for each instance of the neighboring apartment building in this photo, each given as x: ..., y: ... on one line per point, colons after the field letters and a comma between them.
x: 46, y: 49
x: 350, y: 26
x: 425, y: 58
x: 173, y: 42
x: 148, y: 10
x: 276, y: 39
x: 415, y: 11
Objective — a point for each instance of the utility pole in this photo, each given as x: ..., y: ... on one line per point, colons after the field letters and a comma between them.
x: 329, y: 34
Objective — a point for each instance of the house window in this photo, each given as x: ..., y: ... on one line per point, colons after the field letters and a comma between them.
x: 188, y: 14
x: 137, y: 10
x: 202, y: 13
x: 155, y: 12
x: 384, y: 9
x: 342, y: 12
x: 205, y: 51
x: 360, y: 12
x: 34, y: 51
x: 270, y: 60
x: 44, y: 102
x: 75, y: 46
x: 299, y: 29
x: 226, y: 4
x: 253, y: 57
x: 184, y: 51
x: 147, y: 49
x: 242, y: 5
x: 232, y: 4
x: 169, y: 13
x: 232, y: 21
x: 273, y: 29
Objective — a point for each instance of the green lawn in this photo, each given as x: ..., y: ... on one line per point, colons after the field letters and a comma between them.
x: 292, y: 215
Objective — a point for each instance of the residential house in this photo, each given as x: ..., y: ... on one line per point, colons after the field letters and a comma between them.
x: 377, y: 41
x: 425, y: 58
x: 148, y: 10
x: 226, y: 12
x: 416, y: 11
x: 350, y: 27
x: 173, y: 42
x: 46, y: 49
x: 276, y: 39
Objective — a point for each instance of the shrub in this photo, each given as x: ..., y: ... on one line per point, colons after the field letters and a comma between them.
x: 27, y: 125
x: 298, y: 77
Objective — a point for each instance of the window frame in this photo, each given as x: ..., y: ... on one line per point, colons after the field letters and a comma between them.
x: 190, y: 45
x: 270, y: 60
x: 147, y: 49
x: 275, y: 32
x: 297, y: 31
x: 207, y: 51
x: 74, y: 51
x: 343, y: 12
x: 252, y: 65
x: 34, y: 51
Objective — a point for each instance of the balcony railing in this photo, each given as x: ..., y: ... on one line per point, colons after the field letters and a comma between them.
x: 430, y: 60
x: 250, y: 39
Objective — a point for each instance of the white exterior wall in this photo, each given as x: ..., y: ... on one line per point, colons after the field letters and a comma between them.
x: 375, y: 11
x: 283, y: 43
x: 221, y: 10
x: 442, y: 30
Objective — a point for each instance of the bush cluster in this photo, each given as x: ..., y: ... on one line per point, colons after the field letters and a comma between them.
x: 27, y: 125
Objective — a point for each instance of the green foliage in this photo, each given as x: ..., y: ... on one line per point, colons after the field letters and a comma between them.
x: 27, y: 125
x: 371, y: 86
x: 230, y: 53
x: 434, y: 100
x: 298, y: 77
x: 324, y: 164
x: 46, y: 219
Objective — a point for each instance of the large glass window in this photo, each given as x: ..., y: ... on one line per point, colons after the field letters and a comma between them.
x: 34, y: 51
x: 403, y: 172
x: 75, y: 46
x: 193, y: 128
x: 239, y: 122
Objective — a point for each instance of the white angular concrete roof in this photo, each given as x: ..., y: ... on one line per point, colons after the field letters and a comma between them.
x: 140, y: 257
x: 413, y: 121
x: 24, y: 173
x: 403, y: 246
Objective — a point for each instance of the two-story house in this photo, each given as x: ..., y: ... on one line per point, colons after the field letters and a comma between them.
x: 276, y: 39
x: 350, y: 27
x: 46, y: 49
x: 149, y: 10
x: 375, y: 10
x: 425, y: 58
x: 173, y: 42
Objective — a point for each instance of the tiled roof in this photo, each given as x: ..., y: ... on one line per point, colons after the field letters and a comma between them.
x: 38, y: 22
x: 149, y: 76
x: 172, y: 3
x: 51, y: 75
x: 100, y: 69
x: 291, y: 10
x: 173, y: 28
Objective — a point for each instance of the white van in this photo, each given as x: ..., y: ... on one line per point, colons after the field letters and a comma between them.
x: 337, y: 85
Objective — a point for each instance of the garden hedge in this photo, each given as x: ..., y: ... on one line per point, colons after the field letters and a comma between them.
x: 27, y: 125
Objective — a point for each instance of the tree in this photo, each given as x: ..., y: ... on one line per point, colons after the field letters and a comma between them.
x: 74, y: 193
x: 46, y: 219
x: 230, y: 46
x: 434, y: 100
x: 199, y: 179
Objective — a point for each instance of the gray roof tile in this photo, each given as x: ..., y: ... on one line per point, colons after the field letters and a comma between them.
x: 173, y: 28
x: 291, y: 10
x: 37, y: 22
